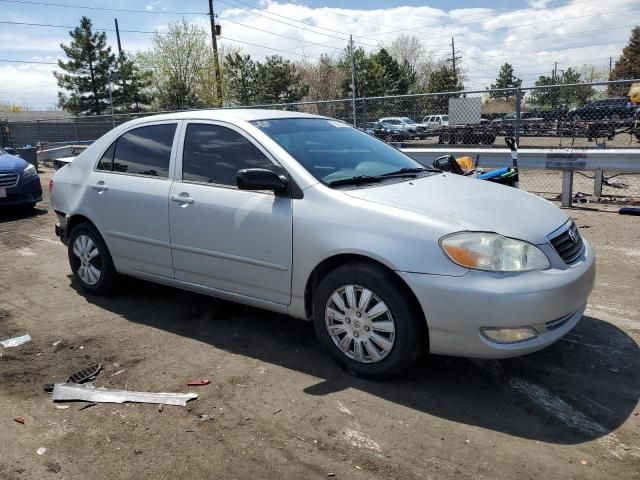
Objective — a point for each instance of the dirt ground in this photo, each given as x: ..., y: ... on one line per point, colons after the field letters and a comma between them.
x: 279, y: 406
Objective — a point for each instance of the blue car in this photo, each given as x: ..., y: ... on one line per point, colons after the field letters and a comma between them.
x: 19, y: 182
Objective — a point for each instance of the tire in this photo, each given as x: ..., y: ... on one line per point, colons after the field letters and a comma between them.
x: 83, y: 239
x: 388, y: 343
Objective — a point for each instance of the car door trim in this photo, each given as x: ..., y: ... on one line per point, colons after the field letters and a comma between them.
x: 228, y: 256
x: 137, y: 238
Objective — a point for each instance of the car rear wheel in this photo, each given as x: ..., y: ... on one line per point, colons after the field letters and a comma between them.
x: 367, y: 322
x: 90, y: 260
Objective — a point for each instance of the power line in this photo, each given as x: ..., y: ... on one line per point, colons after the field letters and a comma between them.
x: 253, y: 12
x: 86, y: 7
x: 27, y: 61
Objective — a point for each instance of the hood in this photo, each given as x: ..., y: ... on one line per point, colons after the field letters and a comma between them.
x: 471, y: 204
x: 12, y: 162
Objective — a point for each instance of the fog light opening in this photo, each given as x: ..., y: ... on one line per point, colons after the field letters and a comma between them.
x: 508, y: 335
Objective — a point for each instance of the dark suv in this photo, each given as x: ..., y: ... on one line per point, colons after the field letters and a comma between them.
x: 608, y: 109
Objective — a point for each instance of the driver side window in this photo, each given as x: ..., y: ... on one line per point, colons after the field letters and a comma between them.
x: 213, y: 154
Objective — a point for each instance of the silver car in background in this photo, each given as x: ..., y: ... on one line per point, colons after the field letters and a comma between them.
x: 307, y: 216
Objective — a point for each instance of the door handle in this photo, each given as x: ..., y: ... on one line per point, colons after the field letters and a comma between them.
x: 99, y: 186
x: 181, y: 199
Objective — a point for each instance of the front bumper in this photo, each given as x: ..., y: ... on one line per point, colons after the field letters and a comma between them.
x: 550, y: 301
x: 27, y: 192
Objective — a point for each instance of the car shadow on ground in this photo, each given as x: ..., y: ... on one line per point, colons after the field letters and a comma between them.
x: 579, y: 389
x: 12, y: 214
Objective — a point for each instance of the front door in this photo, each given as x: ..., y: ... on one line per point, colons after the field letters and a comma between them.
x: 221, y: 237
x: 128, y: 199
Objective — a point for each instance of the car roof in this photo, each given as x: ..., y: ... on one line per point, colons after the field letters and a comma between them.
x: 228, y: 114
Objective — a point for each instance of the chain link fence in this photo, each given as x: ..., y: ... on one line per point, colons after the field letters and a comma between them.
x: 578, y: 116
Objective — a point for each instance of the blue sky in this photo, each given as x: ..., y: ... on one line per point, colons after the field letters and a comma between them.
x: 530, y: 34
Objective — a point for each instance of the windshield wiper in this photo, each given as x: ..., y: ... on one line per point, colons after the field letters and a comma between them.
x: 357, y: 180
x: 407, y: 170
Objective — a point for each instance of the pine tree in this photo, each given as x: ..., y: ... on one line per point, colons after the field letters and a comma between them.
x: 131, y: 86
x: 442, y: 79
x: 628, y: 65
x: 85, y: 74
x: 560, y: 97
x: 390, y: 76
x: 279, y: 82
x: 506, y: 79
x: 240, y: 73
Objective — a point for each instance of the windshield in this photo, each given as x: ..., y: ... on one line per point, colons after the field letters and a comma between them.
x: 445, y: 118
x: 332, y: 150
x: 408, y: 120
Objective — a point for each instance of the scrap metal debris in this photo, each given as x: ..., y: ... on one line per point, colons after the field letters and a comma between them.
x: 197, y: 382
x: 15, y: 341
x: 79, y: 377
x: 88, y: 393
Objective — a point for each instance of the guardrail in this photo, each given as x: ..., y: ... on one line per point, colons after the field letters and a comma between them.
x: 567, y: 161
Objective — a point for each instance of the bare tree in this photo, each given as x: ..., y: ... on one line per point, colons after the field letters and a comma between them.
x: 324, y: 78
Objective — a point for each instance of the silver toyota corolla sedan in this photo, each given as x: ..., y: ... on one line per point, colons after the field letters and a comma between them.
x: 307, y: 216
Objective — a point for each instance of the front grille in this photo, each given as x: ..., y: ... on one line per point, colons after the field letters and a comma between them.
x: 8, y: 179
x: 568, y: 243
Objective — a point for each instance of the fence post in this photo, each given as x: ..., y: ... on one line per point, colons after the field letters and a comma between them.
x: 518, y: 114
x: 364, y: 111
x: 39, y: 131
x: 567, y: 188
x: 75, y: 129
x: 598, y: 179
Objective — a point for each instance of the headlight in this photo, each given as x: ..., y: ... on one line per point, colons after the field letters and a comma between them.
x: 29, y: 171
x: 493, y: 252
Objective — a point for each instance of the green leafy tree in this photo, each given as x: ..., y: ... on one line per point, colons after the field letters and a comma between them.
x: 376, y: 75
x: 279, y: 81
x: 178, y: 60
x: 84, y: 77
x: 133, y: 86
x: 444, y: 79
x: 627, y: 66
x: 241, y: 75
x: 506, y: 79
x: 558, y: 96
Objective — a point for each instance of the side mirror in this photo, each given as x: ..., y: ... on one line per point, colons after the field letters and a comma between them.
x: 261, y: 179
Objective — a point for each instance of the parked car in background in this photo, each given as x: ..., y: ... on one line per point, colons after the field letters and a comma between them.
x: 388, y: 132
x: 307, y: 216
x: 619, y: 108
x: 433, y: 122
x: 407, y: 123
x: 19, y: 182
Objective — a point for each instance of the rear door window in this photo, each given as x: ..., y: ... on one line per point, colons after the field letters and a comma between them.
x: 214, y: 154
x: 145, y: 151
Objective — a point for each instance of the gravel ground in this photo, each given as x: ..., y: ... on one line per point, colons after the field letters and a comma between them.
x: 278, y: 407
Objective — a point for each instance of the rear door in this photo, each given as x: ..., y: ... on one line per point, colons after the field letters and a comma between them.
x: 128, y: 198
x: 224, y: 238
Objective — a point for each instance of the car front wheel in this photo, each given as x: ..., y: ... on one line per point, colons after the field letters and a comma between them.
x: 367, y: 321
x: 90, y: 260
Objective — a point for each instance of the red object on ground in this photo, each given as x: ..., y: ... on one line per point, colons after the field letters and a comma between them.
x: 198, y: 382
x: 20, y: 420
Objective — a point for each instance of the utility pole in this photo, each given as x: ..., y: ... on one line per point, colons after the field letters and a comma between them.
x: 610, y: 65
x: 118, y: 36
x: 353, y: 80
x: 215, y: 31
x: 555, y: 71
x: 454, y: 58
x: 124, y: 81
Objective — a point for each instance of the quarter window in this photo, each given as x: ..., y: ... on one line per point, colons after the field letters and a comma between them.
x: 145, y: 151
x: 214, y: 154
x: 106, y: 161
